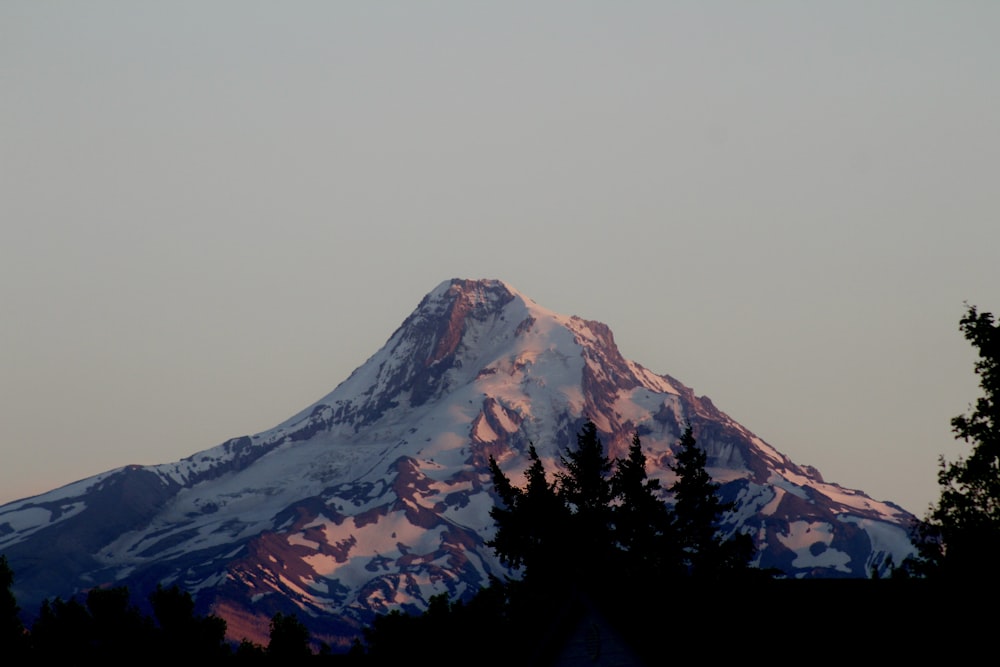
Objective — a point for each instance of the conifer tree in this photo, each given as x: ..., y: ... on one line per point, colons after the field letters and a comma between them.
x: 643, y: 526
x: 289, y: 639
x: 530, y: 522
x: 120, y: 631
x: 697, y: 510
x: 591, y: 518
x: 961, y: 534
x: 182, y: 634
x: 585, y: 488
x: 586, y: 483
x: 597, y: 513
x: 12, y: 636
x: 63, y: 632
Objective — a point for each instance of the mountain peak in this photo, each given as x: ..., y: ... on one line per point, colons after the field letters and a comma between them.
x: 482, y: 290
x: 378, y: 495
x: 451, y: 303
x: 466, y: 330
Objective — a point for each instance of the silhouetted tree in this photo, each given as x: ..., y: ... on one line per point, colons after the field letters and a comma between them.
x: 599, y: 513
x: 289, y: 639
x: 182, y: 633
x: 530, y: 522
x: 63, y: 632
x: 643, y: 524
x: 249, y: 653
x: 120, y: 631
x: 697, y: 510
x: 108, y: 627
x: 559, y: 531
x: 460, y: 632
x: 13, y: 641
x: 960, y: 536
x: 584, y: 486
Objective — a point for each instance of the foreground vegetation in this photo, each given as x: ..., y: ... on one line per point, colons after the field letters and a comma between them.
x: 599, y: 553
x: 108, y: 627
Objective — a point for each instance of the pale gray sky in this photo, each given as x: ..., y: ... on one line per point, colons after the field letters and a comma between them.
x: 212, y: 212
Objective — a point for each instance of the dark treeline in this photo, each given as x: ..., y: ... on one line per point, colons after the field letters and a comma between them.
x: 106, y: 627
x: 609, y: 573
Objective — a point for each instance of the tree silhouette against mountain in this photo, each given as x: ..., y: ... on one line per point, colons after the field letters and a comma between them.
x: 599, y: 513
x: 644, y: 529
x: 183, y: 634
x: 960, y: 536
x: 289, y: 639
x: 531, y: 522
x: 697, y: 511
x: 13, y: 638
x: 107, y: 627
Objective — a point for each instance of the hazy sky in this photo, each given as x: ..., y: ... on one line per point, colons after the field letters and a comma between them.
x: 212, y: 212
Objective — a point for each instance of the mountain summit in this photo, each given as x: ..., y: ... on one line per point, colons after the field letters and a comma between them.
x: 377, y: 496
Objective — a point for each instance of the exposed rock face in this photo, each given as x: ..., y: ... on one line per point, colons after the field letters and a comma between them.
x: 378, y: 495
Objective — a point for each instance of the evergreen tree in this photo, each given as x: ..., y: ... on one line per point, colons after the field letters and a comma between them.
x: 289, y: 639
x: 63, y: 633
x: 961, y: 534
x: 12, y: 634
x: 120, y: 631
x: 249, y: 653
x: 455, y: 632
x: 391, y: 636
x: 558, y: 531
x: 106, y: 627
x: 182, y: 634
x: 643, y: 524
x: 585, y: 488
x: 530, y: 522
x: 697, y: 510
x: 586, y: 485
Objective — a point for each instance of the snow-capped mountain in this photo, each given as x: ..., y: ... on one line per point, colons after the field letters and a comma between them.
x: 377, y: 496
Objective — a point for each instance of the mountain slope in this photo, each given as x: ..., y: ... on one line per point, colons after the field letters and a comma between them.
x: 377, y: 496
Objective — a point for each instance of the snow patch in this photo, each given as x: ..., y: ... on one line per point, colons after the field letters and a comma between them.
x: 780, y: 482
x: 810, y: 541
x: 298, y: 539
